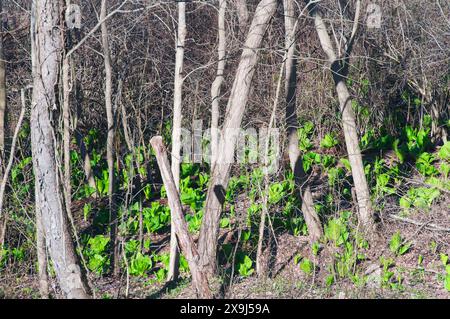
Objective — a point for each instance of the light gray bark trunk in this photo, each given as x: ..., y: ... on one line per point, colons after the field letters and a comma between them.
x: 41, y: 255
x: 46, y: 46
x: 88, y: 172
x: 2, y: 90
x: 217, y: 84
x: 66, y: 88
x: 311, y: 218
x: 110, y: 155
x: 348, y: 123
x: 66, y: 138
x: 176, y: 130
x: 199, y: 278
x: 236, y: 107
x: 242, y: 13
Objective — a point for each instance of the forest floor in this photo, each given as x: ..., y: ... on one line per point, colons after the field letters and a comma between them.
x: 419, y: 272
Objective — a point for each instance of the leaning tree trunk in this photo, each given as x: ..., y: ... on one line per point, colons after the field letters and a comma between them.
x: 236, y: 106
x: 311, y: 218
x: 199, y: 278
x: 176, y: 131
x: 46, y: 45
x: 4, y: 177
x: 110, y: 155
x: 348, y: 122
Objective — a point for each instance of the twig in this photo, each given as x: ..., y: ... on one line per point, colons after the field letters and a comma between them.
x: 95, y: 28
x: 426, y: 225
x: 12, y: 151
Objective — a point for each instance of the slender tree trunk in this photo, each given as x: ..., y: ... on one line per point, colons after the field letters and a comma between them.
x: 261, y: 264
x: 66, y: 129
x: 236, y: 106
x: 176, y: 131
x: 126, y: 127
x: 4, y: 180
x: 110, y: 155
x: 66, y: 89
x: 46, y: 46
x: 199, y: 278
x: 3, y: 223
x: 311, y: 218
x: 88, y: 172
x: 217, y: 84
x: 2, y: 91
x: 242, y: 13
x: 439, y: 110
x: 3, y: 175
x: 348, y: 123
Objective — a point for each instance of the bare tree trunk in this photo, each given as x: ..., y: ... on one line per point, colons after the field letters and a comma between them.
x: 2, y: 90
x: 132, y: 175
x: 236, y: 106
x: 126, y: 128
x: 3, y: 217
x: 88, y: 172
x: 199, y: 278
x: 311, y: 218
x: 348, y: 121
x: 217, y: 84
x: 46, y: 46
x: 66, y: 134
x: 176, y: 131
x: 242, y: 13
x: 4, y: 177
x: 439, y: 110
x: 3, y: 223
x: 110, y: 155
x: 66, y: 89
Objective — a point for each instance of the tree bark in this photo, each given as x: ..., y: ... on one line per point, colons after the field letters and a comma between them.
x: 236, y: 106
x: 2, y: 91
x: 199, y: 279
x: 110, y: 154
x: 46, y: 46
x: 41, y: 255
x: 88, y: 172
x: 348, y: 121
x: 176, y: 130
x: 242, y: 13
x: 217, y: 84
x: 66, y: 129
x: 311, y: 218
